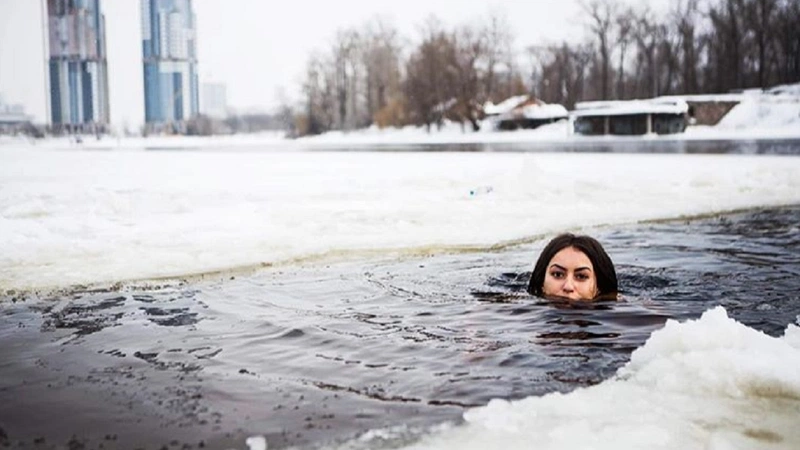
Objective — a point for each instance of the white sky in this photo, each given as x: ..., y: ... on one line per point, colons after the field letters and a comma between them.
x: 255, y: 47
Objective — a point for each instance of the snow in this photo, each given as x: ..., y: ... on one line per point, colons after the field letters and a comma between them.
x: 709, y: 98
x: 71, y: 216
x: 621, y: 108
x: 785, y: 89
x: 545, y: 111
x: 759, y: 115
x: 68, y: 215
x: 505, y: 106
x: 80, y: 217
x: 707, y: 383
x: 762, y: 113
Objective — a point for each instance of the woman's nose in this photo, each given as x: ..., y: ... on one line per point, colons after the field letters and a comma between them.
x: 568, y: 285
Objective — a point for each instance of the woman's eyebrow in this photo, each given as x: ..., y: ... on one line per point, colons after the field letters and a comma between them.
x: 558, y: 266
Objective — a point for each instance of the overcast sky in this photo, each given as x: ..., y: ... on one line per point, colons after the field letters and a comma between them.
x: 255, y: 47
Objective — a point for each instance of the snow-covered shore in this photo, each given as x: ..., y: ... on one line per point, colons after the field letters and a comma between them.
x: 75, y: 217
x: 757, y: 116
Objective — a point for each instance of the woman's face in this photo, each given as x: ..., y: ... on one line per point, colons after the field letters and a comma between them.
x: 570, y: 274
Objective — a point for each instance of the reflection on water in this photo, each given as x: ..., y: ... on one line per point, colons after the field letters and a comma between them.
x: 579, y: 145
x: 304, y: 355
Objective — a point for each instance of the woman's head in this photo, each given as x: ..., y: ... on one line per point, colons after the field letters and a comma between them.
x: 574, y: 267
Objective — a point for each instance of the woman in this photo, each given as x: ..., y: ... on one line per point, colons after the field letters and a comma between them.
x: 575, y: 268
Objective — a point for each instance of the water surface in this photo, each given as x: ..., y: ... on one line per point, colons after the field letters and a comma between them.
x: 610, y: 144
x: 307, y: 354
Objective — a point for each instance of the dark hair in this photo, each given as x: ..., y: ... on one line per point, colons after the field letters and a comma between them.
x: 603, y: 266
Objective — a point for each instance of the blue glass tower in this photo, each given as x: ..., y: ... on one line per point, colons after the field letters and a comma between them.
x: 169, y: 59
x: 77, y: 66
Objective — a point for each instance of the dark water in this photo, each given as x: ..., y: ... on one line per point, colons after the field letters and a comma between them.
x: 596, y: 145
x: 664, y: 144
x: 313, y: 354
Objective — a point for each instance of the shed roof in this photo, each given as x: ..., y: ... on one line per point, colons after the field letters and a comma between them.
x: 544, y: 111
x: 505, y: 106
x: 630, y: 107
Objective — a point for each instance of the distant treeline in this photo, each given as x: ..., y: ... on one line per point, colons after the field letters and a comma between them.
x: 373, y: 75
x: 203, y: 125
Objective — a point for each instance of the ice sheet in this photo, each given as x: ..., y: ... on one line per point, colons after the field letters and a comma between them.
x: 69, y: 217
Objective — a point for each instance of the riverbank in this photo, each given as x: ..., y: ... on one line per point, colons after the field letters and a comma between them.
x: 756, y: 117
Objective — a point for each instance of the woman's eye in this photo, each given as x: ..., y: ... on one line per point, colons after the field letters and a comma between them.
x: 582, y: 277
x: 557, y: 275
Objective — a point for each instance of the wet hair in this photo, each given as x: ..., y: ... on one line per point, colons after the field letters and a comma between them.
x: 603, y: 266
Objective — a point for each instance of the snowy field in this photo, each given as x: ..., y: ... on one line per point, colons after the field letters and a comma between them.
x: 70, y: 216
x: 758, y: 116
x: 75, y: 217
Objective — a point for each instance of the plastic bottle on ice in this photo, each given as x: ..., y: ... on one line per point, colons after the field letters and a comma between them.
x: 480, y: 190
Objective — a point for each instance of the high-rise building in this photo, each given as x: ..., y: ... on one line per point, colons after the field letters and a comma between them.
x: 78, y: 67
x: 170, y: 63
x: 12, y: 118
x: 214, y: 100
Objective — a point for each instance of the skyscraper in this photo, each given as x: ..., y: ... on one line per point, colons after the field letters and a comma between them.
x: 78, y: 68
x: 170, y: 63
x: 214, y: 100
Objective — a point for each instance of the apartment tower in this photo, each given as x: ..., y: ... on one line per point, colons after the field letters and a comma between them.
x: 169, y: 57
x: 77, y: 66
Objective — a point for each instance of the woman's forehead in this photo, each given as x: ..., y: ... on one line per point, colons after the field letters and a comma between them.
x: 571, y: 257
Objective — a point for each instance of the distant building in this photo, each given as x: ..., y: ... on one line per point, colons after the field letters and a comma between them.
x: 13, y: 119
x: 169, y: 57
x: 523, y: 112
x: 78, y: 68
x: 708, y: 109
x: 214, y: 100
x: 631, y: 117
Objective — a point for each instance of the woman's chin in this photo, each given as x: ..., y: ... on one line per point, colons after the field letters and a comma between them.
x: 599, y: 298
x: 562, y: 298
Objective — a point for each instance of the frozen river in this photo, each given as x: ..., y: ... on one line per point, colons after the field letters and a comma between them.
x: 199, y: 297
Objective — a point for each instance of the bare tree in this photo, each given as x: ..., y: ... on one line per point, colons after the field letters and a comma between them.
x: 760, y: 20
x: 364, y: 77
x: 563, y: 73
x: 787, y: 22
x: 624, y: 25
x: 537, y: 57
x: 647, y: 34
x: 601, y: 20
x: 344, y: 54
x: 726, y: 46
x: 430, y: 75
x: 318, y: 92
x: 382, y: 53
x: 684, y: 15
x: 499, y: 40
x: 471, y: 46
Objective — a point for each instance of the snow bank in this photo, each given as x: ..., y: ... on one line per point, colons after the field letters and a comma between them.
x: 711, y: 383
x: 70, y: 217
